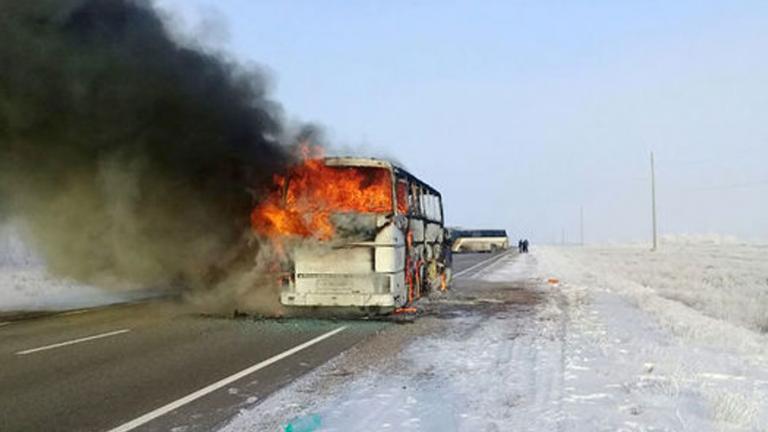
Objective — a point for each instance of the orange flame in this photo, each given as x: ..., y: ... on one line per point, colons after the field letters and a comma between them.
x: 304, y: 199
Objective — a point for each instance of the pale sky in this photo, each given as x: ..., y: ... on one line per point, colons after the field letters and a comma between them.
x: 521, y: 112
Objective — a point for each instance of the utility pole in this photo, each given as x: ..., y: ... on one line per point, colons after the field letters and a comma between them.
x: 653, y: 203
x: 581, y: 225
x: 562, y: 237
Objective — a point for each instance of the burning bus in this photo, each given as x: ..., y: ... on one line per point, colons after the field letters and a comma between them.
x: 355, y: 232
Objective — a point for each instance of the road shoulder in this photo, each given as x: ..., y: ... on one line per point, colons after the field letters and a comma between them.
x: 416, y: 374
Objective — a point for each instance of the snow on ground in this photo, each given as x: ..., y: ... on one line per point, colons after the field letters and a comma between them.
x: 628, y: 340
x: 26, y: 286
x: 676, y: 310
x: 719, y: 277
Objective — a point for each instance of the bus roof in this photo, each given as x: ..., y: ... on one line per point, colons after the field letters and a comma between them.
x: 377, y: 163
x: 359, y: 162
x: 480, y: 233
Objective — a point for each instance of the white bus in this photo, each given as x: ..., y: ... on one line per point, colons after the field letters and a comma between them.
x: 479, y: 241
x: 384, y: 255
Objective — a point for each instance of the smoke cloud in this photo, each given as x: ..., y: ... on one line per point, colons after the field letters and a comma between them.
x: 132, y: 159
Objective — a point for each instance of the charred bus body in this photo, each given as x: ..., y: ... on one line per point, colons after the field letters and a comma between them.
x: 385, y: 251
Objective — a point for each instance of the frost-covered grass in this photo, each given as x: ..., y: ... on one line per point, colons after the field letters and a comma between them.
x: 32, y: 289
x: 721, y: 278
x: 25, y: 285
x: 705, y: 301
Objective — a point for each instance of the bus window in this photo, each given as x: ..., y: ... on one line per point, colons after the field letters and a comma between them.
x: 414, y: 200
x: 432, y: 207
x: 422, y: 204
x: 402, y: 197
x: 426, y: 203
x: 435, y: 209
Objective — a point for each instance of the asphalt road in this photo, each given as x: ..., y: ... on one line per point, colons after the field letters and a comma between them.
x: 155, y: 366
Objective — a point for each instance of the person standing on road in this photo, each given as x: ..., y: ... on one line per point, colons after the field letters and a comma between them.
x: 520, y: 246
x: 525, y: 246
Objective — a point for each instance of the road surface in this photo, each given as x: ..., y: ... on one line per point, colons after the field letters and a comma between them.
x: 154, y: 366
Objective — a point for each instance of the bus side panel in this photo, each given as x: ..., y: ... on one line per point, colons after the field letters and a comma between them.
x: 434, y: 254
x: 390, y: 259
x: 417, y: 227
x: 434, y: 233
x: 390, y: 250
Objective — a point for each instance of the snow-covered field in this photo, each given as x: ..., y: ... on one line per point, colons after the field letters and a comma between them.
x: 629, y: 340
x: 719, y: 277
x: 666, y: 327
x: 26, y: 286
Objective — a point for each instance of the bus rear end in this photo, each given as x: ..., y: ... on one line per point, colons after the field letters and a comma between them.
x: 345, y: 249
x: 357, y: 274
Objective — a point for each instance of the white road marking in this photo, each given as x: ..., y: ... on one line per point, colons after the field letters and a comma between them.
x: 75, y: 312
x: 146, y: 418
x: 4, y: 323
x: 73, y: 341
x: 465, y: 271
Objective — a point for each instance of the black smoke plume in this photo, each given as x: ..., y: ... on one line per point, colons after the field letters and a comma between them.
x: 128, y: 156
